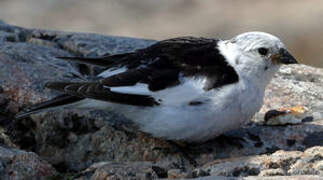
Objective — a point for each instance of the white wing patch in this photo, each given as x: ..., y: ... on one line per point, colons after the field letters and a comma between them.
x: 188, y: 90
x: 139, y: 88
x: 111, y: 72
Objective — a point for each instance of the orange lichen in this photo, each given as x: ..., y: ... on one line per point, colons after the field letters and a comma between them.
x: 297, y: 111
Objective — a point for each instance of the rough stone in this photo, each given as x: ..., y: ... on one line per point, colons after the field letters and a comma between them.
x: 102, y: 142
x: 295, y: 85
x: 272, y: 172
x: 301, y: 177
x: 73, y: 140
x: 111, y: 170
x: 178, y: 174
x: 17, y: 165
x: 285, y: 116
x: 279, y: 163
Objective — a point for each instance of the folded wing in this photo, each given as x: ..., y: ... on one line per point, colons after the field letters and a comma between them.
x: 160, y: 66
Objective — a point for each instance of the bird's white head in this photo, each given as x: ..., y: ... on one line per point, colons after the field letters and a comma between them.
x: 256, y: 54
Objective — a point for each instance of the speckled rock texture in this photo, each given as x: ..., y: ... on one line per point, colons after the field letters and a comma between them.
x: 300, y: 177
x: 280, y: 163
x: 20, y: 165
x: 73, y: 141
x: 131, y: 170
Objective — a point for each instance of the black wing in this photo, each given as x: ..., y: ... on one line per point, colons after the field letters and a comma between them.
x: 105, y: 61
x: 100, y: 92
x: 55, y: 102
x: 159, y: 66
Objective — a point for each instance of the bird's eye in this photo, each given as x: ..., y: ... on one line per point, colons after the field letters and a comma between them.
x: 263, y: 51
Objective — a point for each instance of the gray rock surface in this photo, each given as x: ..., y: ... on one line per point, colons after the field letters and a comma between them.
x: 280, y: 163
x: 72, y: 140
x: 300, y: 177
x: 111, y: 170
x: 20, y: 165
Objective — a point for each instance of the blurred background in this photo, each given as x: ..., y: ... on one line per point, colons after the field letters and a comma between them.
x: 298, y: 23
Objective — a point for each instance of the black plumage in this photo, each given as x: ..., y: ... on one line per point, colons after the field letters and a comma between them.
x: 159, y: 65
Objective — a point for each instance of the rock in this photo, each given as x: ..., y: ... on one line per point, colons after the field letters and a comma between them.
x: 301, y: 177
x: 73, y: 140
x: 110, y: 170
x: 284, y: 116
x: 272, y: 172
x: 279, y: 163
x: 310, y: 163
x: 80, y: 140
x: 295, y: 85
x: 17, y: 164
x: 178, y: 174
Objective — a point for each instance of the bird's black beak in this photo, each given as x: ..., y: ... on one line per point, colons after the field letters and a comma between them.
x: 285, y: 57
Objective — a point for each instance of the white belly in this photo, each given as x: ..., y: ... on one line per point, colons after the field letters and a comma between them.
x: 221, y: 110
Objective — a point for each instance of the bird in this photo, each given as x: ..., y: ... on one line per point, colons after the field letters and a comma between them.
x: 189, y: 89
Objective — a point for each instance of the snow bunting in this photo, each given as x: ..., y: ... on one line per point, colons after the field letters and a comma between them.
x: 186, y: 88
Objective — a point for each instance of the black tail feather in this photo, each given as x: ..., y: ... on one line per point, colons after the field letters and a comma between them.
x: 59, y: 86
x: 57, y: 101
x: 104, y: 61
